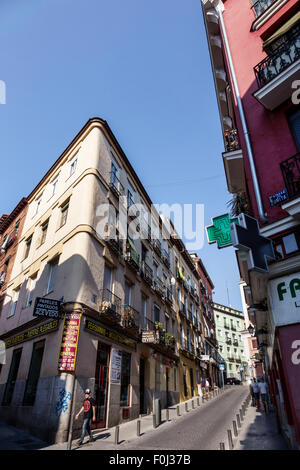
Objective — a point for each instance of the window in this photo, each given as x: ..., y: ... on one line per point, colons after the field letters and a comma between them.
x: 294, y: 120
x: 64, y: 213
x: 12, y: 377
x: 52, y: 276
x: 130, y: 193
x: 125, y: 379
x: 31, y: 285
x: 34, y: 373
x: 27, y: 246
x: 17, y: 225
x: 156, y: 314
x: 44, y: 231
x: 14, y: 302
x: 54, y: 184
x: 127, y: 294
x: 37, y: 207
x: 73, y: 165
x: 144, y: 311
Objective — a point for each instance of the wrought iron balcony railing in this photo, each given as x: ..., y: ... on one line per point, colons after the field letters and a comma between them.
x: 159, y: 287
x: 116, y: 185
x: 228, y: 341
x: 290, y: 169
x: 281, y: 58
x: 157, y: 246
x: 115, y: 244
x: 182, y: 309
x: 231, y: 141
x: 235, y: 343
x: 130, y: 317
x: 132, y: 257
x: 147, y: 273
x: 165, y: 257
x: 168, y: 295
x: 110, y: 306
x: 261, y: 5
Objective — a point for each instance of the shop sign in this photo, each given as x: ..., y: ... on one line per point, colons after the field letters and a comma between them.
x: 95, y: 328
x: 32, y: 333
x: 148, y: 337
x: 284, y: 296
x: 116, y: 363
x: 279, y: 197
x: 47, y: 308
x: 69, y: 342
x: 204, y: 357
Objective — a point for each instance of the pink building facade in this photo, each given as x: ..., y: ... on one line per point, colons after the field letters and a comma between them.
x: 255, y: 55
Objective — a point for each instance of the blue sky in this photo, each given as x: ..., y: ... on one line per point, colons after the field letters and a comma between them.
x: 142, y: 66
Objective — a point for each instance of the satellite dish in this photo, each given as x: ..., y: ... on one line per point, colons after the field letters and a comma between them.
x: 173, y: 282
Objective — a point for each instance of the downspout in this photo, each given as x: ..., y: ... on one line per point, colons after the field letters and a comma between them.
x: 243, y: 120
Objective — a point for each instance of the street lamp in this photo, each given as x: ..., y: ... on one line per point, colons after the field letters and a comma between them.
x: 251, y: 329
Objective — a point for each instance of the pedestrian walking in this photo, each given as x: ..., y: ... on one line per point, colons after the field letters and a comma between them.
x: 89, y: 413
x: 207, y: 387
x: 203, y: 381
x: 263, y: 389
x: 255, y: 388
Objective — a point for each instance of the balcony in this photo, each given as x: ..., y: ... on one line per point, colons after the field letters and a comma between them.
x: 235, y: 343
x: 182, y: 309
x: 110, y: 307
x: 132, y: 257
x: 157, y: 246
x: 130, y: 318
x: 159, y: 287
x: 147, y: 273
x: 166, y: 258
x: 276, y: 73
x: 233, y: 163
x: 261, y: 5
x: 228, y: 341
x: 187, y: 348
x: 115, y: 244
x: 168, y: 297
x: 163, y: 341
x: 115, y: 185
x: 290, y: 170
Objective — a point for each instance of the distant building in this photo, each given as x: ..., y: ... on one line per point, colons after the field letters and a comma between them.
x: 229, y: 327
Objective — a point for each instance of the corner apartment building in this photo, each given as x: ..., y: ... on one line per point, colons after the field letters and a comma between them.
x: 211, y: 358
x: 229, y: 327
x: 121, y: 277
x: 255, y: 55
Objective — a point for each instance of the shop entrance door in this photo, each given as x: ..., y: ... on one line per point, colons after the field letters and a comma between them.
x: 101, y: 384
x: 142, y: 386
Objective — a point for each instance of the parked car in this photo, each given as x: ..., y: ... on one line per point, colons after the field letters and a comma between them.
x: 232, y: 381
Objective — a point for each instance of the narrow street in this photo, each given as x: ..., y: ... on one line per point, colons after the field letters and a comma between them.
x: 202, y: 429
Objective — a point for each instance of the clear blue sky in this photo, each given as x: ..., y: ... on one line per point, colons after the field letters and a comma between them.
x: 141, y: 65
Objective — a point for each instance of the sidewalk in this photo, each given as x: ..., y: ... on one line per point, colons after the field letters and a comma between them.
x: 12, y: 438
x: 259, y: 432
x: 105, y: 439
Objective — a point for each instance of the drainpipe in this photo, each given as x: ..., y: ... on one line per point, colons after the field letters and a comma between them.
x: 244, y: 124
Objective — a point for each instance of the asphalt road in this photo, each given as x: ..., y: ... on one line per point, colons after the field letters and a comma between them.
x: 200, y: 429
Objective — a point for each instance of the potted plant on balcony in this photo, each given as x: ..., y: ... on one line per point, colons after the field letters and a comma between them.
x: 128, y: 316
x: 169, y: 340
x: 105, y: 305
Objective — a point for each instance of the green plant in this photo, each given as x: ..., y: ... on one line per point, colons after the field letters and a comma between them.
x: 158, y: 325
x: 168, y: 339
x: 238, y: 204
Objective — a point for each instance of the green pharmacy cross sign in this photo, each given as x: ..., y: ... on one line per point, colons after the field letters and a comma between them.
x: 219, y: 231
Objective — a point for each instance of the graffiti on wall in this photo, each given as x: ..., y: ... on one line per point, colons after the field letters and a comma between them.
x: 62, y: 405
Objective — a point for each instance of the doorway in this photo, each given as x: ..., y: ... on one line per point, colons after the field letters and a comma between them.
x: 101, y: 384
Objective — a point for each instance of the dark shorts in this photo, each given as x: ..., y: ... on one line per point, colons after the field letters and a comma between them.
x: 256, y: 395
x: 263, y: 397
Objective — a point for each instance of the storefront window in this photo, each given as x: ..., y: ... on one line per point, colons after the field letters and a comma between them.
x: 34, y: 374
x: 125, y: 379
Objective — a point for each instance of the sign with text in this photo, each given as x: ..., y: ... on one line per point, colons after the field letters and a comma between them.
x: 116, y: 363
x: 47, y: 308
x: 69, y: 342
x: 284, y: 295
x: 148, y: 337
x: 32, y: 333
x: 97, y: 329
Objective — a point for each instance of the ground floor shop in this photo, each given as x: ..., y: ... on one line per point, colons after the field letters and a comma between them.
x: 187, y: 378
x: 39, y: 387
